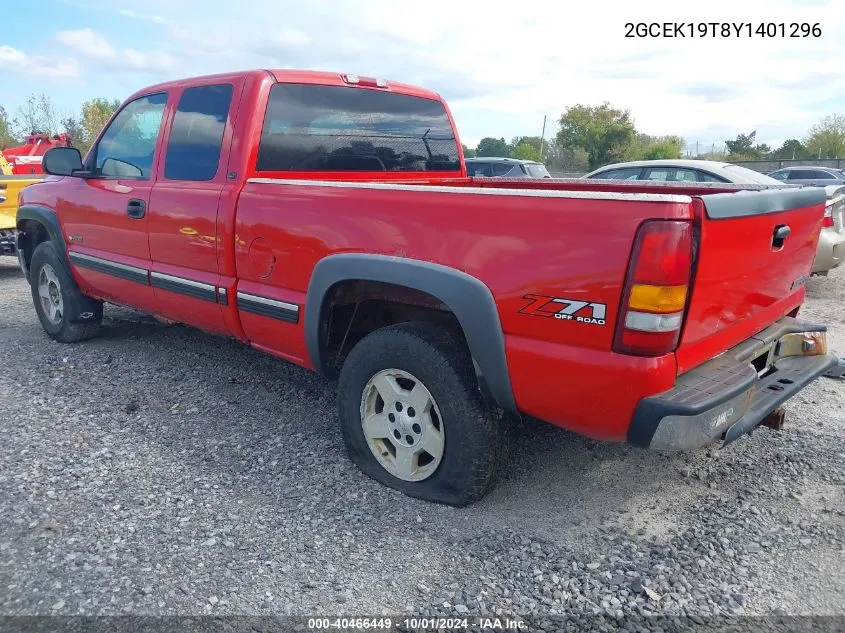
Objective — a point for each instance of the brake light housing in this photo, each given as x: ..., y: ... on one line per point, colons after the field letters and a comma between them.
x: 656, y: 292
x: 370, y: 82
x: 827, y: 220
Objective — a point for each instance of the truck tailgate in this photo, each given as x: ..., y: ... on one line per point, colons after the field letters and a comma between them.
x: 746, y: 277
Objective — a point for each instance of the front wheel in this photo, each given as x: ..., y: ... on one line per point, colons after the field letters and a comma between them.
x: 413, y: 418
x: 65, y: 313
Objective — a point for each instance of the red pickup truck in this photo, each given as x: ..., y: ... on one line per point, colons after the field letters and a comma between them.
x: 327, y: 219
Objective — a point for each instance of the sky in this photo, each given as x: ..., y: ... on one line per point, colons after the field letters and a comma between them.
x: 501, y: 67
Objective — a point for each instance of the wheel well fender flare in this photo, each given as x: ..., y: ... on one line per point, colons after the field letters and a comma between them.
x: 47, y: 218
x: 469, y: 299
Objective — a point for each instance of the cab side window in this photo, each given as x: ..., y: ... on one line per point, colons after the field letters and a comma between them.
x: 127, y: 147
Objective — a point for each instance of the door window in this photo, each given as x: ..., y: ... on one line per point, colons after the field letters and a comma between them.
x: 658, y: 173
x: 193, y: 149
x: 625, y: 173
x: 479, y: 169
x: 703, y: 176
x: 127, y: 147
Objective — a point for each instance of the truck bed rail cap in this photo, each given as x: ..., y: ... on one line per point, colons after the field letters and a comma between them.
x: 489, y: 191
x: 746, y: 203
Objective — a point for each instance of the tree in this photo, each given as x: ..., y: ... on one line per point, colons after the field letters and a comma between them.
x: 647, y: 147
x: 37, y: 116
x: 7, y: 138
x: 468, y: 153
x: 73, y: 128
x: 526, y: 151
x: 572, y: 160
x: 792, y: 148
x: 95, y: 115
x: 742, y: 148
x: 604, y: 132
x: 742, y: 145
x: 827, y: 138
x: 763, y: 150
x: 531, y: 141
x: 489, y: 146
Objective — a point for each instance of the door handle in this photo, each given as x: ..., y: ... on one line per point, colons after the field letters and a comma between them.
x: 782, y: 231
x: 136, y: 209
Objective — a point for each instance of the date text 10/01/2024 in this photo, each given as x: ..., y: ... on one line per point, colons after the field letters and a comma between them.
x: 722, y: 29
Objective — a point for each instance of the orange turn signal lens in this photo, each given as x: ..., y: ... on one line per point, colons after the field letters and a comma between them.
x: 657, y: 298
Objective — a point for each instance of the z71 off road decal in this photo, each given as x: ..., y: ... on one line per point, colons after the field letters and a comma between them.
x: 566, y: 309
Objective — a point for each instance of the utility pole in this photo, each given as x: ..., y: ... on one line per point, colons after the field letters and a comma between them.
x: 542, y: 137
x: 696, y: 148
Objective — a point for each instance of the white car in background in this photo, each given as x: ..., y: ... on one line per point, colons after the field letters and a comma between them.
x: 831, y: 249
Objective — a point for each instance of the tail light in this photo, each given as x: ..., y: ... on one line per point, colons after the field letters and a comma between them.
x: 654, y: 299
x: 827, y: 221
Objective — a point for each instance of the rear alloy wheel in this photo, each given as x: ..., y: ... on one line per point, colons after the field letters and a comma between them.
x: 413, y: 418
x: 402, y: 424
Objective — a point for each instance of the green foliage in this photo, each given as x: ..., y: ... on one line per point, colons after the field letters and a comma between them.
x: 73, y: 128
x: 489, y: 146
x: 792, y: 148
x: 95, y: 114
x: 742, y: 148
x: 605, y: 133
x: 7, y: 137
x: 525, y: 151
x: 742, y: 145
x: 647, y: 147
x: 468, y: 152
x: 827, y: 138
x: 531, y: 141
x: 565, y: 159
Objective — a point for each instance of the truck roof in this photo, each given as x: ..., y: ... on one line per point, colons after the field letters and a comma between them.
x: 288, y: 75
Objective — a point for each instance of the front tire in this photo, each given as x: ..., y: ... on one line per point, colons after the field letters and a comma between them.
x: 65, y: 313
x: 413, y: 418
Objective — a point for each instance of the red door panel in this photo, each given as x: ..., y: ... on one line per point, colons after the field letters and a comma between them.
x: 105, y: 217
x: 184, y: 244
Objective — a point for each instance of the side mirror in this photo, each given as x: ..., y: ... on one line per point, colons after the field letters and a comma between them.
x: 62, y: 161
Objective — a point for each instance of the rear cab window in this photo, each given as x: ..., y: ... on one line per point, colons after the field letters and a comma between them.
x: 317, y: 128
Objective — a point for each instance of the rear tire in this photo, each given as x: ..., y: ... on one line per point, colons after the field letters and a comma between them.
x: 65, y: 313
x: 429, y: 433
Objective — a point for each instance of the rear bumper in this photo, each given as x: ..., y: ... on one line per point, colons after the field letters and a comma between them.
x: 831, y: 250
x: 725, y: 398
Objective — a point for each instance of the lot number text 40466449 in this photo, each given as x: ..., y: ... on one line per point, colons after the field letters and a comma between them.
x: 722, y: 29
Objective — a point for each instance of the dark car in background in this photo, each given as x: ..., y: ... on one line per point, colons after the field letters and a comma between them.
x: 810, y: 175
x: 493, y: 167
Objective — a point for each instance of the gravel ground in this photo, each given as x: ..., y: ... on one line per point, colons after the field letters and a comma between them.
x: 159, y: 470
